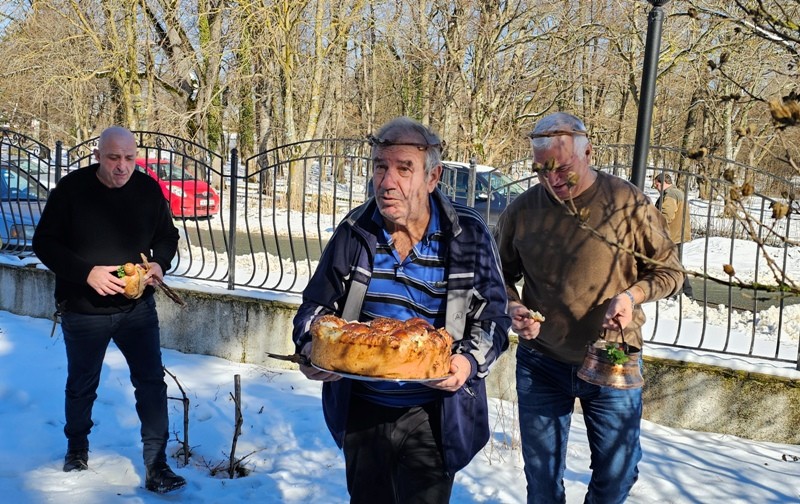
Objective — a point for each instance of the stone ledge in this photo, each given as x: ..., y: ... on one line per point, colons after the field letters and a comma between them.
x: 715, y: 399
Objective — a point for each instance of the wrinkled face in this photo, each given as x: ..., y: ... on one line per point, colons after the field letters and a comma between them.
x: 566, y: 162
x: 400, y: 184
x: 116, y: 155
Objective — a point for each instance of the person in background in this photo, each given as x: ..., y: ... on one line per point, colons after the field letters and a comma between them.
x: 409, y: 252
x: 95, y: 220
x: 672, y: 203
x: 589, y: 248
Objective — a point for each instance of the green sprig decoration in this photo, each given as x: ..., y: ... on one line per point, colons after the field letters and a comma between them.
x: 616, y: 354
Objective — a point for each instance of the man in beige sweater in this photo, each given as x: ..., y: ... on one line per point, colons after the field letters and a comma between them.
x: 590, y: 248
x: 672, y: 203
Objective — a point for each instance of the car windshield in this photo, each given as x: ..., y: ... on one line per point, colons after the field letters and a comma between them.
x: 168, y: 171
x: 35, y: 168
x: 502, y: 183
x: 17, y: 185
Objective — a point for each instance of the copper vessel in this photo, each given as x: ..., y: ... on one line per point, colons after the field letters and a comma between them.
x: 599, y: 369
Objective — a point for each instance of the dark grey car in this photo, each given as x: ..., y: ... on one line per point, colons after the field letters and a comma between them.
x: 494, y: 190
x: 22, y: 199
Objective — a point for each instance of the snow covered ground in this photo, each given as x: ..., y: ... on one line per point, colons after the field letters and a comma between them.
x: 288, y: 451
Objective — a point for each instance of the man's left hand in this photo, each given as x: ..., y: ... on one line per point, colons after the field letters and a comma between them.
x: 460, y: 369
x: 619, y: 313
x: 154, y: 275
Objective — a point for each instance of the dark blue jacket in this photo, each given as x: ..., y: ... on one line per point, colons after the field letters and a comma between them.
x: 475, y: 315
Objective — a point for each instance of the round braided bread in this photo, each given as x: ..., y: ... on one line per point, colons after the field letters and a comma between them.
x: 385, y: 348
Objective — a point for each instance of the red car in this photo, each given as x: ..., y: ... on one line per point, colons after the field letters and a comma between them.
x: 187, y: 196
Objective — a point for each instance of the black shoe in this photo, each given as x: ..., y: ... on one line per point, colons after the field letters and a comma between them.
x: 76, y: 460
x: 161, y: 479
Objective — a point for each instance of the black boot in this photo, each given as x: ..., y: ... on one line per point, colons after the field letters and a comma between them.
x: 161, y: 479
x: 76, y: 460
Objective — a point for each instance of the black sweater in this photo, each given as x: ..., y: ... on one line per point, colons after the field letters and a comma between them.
x: 86, y: 224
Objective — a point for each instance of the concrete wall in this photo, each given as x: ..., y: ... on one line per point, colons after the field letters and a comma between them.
x: 241, y: 329
x: 714, y: 399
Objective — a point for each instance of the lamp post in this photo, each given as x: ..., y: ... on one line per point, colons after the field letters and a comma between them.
x: 645, y: 119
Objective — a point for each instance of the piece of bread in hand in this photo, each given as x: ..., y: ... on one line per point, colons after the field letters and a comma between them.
x: 535, y: 315
x: 133, y: 274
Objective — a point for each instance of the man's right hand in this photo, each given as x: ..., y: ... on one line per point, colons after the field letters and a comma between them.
x: 104, y: 280
x: 521, y: 321
x: 313, y: 373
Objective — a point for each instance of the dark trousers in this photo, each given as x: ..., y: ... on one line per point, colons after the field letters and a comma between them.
x: 687, y: 286
x: 393, y: 455
x: 136, y: 334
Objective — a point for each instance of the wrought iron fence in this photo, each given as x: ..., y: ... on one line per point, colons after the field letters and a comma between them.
x: 262, y: 222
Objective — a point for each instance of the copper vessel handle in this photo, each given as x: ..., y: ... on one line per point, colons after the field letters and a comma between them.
x: 621, y: 335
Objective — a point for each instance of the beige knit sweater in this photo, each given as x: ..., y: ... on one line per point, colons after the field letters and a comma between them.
x: 570, y: 275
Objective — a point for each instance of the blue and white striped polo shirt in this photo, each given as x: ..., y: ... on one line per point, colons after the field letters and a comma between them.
x: 413, y: 287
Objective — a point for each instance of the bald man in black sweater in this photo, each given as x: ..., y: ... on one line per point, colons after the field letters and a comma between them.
x: 96, y: 219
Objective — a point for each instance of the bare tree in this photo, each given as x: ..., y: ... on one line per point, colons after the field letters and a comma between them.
x: 478, y: 72
x: 189, y: 37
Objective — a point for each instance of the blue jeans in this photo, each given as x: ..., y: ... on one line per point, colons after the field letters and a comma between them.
x: 136, y: 334
x: 546, y: 391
